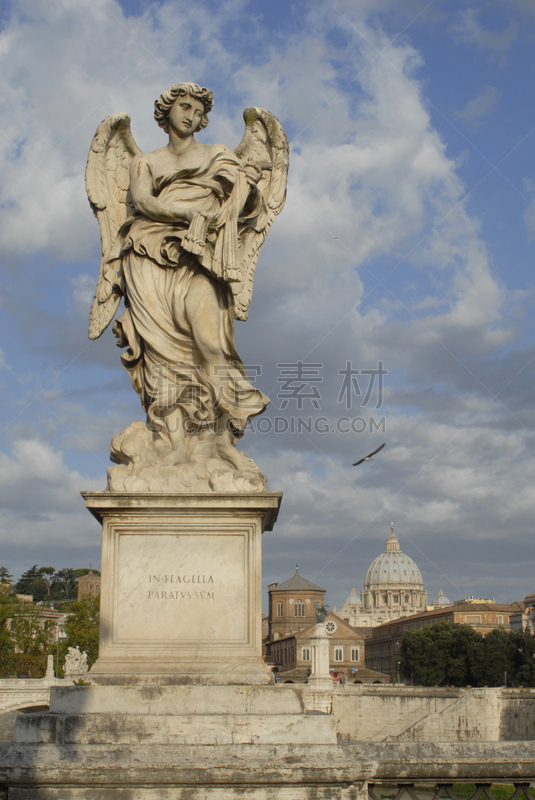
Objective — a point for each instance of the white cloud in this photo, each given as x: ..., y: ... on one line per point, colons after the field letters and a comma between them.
x: 451, y: 484
x: 479, y: 106
x: 467, y: 29
x: 83, y: 289
x: 42, y: 512
x: 38, y: 474
x: 371, y: 183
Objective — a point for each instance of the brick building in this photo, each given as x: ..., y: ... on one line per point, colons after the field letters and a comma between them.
x: 292, y: 622
x: 89, y: 584
x: 291, y: 605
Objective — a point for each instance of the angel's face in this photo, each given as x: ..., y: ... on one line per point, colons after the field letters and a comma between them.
x: 185, y: 115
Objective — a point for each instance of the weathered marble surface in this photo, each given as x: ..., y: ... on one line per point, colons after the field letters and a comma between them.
x: 141, y: 456
x: 125, y: 715
x: 253, y: 743
x: 181, y: 587
x: 181, y: 230
x: 156, y: 701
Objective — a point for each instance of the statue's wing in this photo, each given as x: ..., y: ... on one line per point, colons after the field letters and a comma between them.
x: 107, y: 181
x: 264, y: 148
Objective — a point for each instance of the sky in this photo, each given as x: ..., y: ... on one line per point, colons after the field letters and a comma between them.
x: 399, y: 274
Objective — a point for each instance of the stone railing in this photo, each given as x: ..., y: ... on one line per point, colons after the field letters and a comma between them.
x: 18, y: 693
x: 31, y: 683
x: 476, y: 791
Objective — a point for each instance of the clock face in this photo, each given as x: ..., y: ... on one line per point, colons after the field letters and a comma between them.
x: 330, y: 626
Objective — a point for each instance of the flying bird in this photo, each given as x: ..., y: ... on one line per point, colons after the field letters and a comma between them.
x: 369, y: 457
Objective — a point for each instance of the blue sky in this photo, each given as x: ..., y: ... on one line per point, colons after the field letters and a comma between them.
x: 408, y: 238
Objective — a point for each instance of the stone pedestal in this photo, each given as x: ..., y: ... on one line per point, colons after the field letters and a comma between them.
x: 175, y: 715
x: 320, y: 683
x: 169, y: 743
x: 181, y: 587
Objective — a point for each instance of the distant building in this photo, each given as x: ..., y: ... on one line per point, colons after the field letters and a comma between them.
x: 472, y: 599
x: 382, y: 648
x: 291, y: 605
x: 89, y: 584
x: 524, y: 620
x: 292, y: 622
x: 291, y: 656
x: 393, y: 588
x: 56, y: 620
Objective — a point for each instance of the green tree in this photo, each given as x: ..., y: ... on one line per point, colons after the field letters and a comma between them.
x: 64, y: 583
x: 32, y: 640
x: 46, y: 575
x: 25, y: 583
x: 82, y: 628
x: 443, y: 655
x: 524, y: 658
x: 426, y: 654
x: 8, y: 604
x: 5, y: 575
x: 496, y: 657
x: 466, y: 644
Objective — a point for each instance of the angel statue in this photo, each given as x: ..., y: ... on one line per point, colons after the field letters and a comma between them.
x: 181, y: 230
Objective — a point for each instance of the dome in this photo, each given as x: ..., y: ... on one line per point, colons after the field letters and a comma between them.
x: 353, y: 600
x: 441, y: 599
x: 393, y: 566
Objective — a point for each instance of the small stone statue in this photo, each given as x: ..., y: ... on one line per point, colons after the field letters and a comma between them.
x: 181, y: 231
x: 321, y: 612
x: 75, y: 663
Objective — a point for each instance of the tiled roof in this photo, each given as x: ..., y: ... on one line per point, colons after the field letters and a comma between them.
x: 297, y: 584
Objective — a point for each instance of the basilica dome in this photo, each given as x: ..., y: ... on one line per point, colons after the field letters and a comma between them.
x: 441, y: 599
x: 393, y: 588
x: 393, y: 567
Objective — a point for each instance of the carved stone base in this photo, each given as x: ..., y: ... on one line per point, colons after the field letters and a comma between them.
x: 181, y: 587
x: 208, y: 462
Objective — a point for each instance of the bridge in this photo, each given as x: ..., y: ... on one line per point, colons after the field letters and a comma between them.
x: 18, y: 693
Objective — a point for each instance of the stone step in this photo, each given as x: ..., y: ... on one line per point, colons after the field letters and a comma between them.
x: 194, y: 729
x: 179, y: 700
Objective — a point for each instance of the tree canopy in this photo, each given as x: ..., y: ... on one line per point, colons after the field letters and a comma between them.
x: 25, y: 640
x: 49, y: 584
x: 82, y: 628
x: 441, y: 655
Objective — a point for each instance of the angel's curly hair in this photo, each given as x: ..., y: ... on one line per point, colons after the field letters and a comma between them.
x: 163, y: 105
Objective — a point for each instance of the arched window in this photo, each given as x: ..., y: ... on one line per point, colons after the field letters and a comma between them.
x: 279, y: 609
x: 299, y: 608
x: 338, y: 654
x: 305, y: 654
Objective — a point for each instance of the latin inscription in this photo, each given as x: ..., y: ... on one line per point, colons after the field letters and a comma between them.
x: 181, y: 579
x: 181, y: 595
x: 158, y: 593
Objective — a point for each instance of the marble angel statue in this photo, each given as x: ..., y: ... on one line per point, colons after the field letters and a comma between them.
x: 181, y: 230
